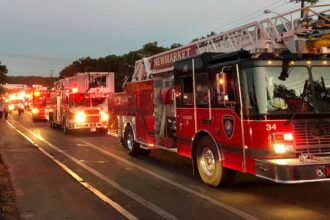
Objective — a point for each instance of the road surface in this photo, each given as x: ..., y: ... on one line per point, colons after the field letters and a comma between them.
x: 90, y: 176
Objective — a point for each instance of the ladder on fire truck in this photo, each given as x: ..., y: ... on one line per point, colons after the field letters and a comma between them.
x: 284, y: 32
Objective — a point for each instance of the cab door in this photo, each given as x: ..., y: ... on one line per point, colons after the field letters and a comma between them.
x: 226, y: 114
x: 185, y: 102
x: 218, y: 111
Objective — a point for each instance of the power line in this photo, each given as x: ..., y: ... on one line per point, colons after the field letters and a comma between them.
x: 249, y: 16
x: 260, y: 13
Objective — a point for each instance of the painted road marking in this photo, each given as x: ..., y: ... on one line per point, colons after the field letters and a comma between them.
x: 99, y: 194
x: 175, y: 184
x: 159, y: 211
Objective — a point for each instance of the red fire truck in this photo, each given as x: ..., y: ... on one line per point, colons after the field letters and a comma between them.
x: 39, y: 97
x: 255, y: 99
x: 81, y: 102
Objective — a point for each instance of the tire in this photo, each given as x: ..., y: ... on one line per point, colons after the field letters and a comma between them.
x: 104, y: 131
x: 209, y: 164
x: 66, y: 130
x: 132, y: 147
x: 145, y: 152
x: 50, y: 121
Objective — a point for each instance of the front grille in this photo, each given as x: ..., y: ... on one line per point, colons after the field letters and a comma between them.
x: 93, y: 118
x: 312, y: 136
x: 91, y: 111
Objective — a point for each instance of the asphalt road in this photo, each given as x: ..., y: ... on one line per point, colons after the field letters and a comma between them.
x: 90, y: 176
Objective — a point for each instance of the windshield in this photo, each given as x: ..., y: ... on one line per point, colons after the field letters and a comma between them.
x: 80, y: 100
x: 39, y: 101
x: 16, y: 101
x: 274, y: 87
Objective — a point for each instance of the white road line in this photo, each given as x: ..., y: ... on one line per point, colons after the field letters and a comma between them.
x: 175, y: 184
x: 99, y: 194
x: 159, y: 211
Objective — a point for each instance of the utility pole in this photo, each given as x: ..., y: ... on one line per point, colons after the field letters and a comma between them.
x: 51, y: 73
x: 312, y: 2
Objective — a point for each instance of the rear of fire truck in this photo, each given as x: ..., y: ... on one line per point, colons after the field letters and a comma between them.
x: 80, y: 102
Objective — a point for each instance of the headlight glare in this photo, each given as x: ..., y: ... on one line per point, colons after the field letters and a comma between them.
x: 104, y: 116
x: 35, y: 111
x: 80, y: 117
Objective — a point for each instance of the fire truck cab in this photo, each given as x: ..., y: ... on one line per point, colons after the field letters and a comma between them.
x: 81, y: 102
x: 39, y: 99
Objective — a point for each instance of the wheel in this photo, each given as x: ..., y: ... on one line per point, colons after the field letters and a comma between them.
x: 103, y: 130
x: 51, y: 121
x: 132, y: 147
x: 209, y: 164
x: 66, y: 130
x: 145, y: 152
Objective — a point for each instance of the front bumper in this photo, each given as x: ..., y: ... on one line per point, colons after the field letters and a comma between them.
x: 39, y: 116
x: 96, y: 125
x: 294, y: 170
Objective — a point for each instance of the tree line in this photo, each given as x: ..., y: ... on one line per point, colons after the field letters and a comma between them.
x: 32, y: 80
x: 3, y: 76
x: 119, y: 64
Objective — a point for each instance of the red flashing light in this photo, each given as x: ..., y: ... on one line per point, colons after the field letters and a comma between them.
x: 279, y: 136
x: 327, y: 172
x: 74, y: 90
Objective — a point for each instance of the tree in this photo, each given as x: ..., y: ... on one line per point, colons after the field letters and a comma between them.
x: 175, y: 45
x: 152, y: 48
x: 121, y: 65
x: 212, y: 33
x: 3, y: 73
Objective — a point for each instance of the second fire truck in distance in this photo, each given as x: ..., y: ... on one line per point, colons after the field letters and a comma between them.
x: 255, y: 99
x: 81, y: 102
x: 38, y: 104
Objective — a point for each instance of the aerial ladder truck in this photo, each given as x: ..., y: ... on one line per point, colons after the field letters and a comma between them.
x: 254, y: 99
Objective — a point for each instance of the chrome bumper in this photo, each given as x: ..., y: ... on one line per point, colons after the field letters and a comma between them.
x: 294, y: 170
x: 96, y: 125
x: 37, y: 116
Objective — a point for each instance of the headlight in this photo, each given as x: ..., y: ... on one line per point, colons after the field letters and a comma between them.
x: 35, y: 111
x: 11, y: 107
x: 80, y: 117
x: 282, y: 142
x: 282, y: 148
x: 104, y: 116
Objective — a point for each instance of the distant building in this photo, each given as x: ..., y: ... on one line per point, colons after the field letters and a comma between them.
x: 15, y: 86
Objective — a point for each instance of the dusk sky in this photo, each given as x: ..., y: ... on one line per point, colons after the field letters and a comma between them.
x: 38, y: 36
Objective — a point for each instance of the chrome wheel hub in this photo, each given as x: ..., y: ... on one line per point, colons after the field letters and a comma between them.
x: 207, y: 162
x: 129, y: 141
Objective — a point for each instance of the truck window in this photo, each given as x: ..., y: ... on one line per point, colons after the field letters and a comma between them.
x: 187, y: 91
x: 97, y: 102
x: 230, y: 73
x: 201, y: 89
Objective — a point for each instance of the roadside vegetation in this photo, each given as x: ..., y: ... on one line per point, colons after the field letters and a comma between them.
x: 8, y: 209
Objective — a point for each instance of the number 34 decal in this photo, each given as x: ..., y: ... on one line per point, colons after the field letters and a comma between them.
x: 270, y: 127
